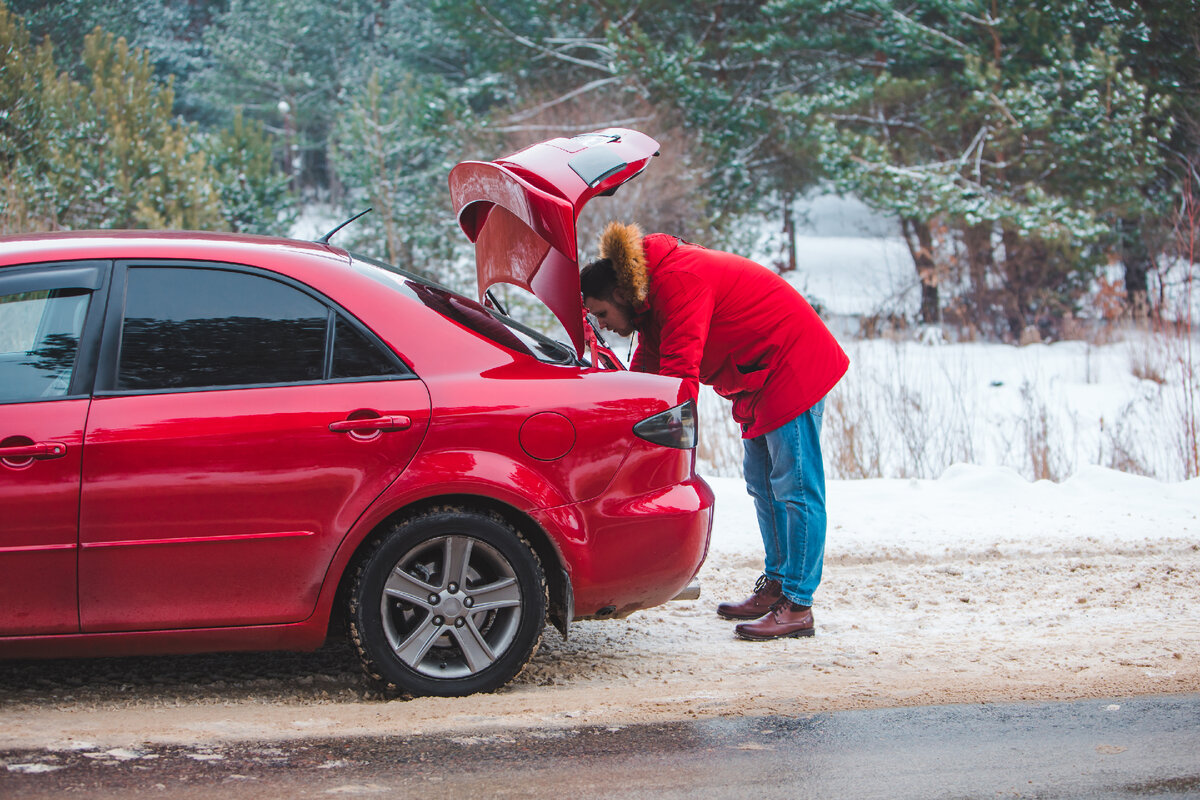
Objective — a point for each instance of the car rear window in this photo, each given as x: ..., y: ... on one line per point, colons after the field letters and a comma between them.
x: 499, y: 328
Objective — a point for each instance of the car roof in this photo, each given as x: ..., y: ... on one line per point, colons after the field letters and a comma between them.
x: 350, y: 281
x: 194, y: 245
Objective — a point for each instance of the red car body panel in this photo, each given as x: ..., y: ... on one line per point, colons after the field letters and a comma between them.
x: 248, y: 487
x: 226, y: 519
x: 40, y: 498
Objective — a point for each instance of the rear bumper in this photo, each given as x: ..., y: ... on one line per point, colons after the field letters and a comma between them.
x: 629, y: 552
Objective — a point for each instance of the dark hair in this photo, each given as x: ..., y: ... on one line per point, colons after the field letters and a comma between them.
x: 598, y: 279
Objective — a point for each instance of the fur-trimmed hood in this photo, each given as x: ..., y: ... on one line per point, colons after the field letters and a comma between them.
x: 622, y: 245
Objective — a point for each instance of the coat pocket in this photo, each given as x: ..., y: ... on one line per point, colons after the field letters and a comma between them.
x: 742, y: 383
x: 740, y: 379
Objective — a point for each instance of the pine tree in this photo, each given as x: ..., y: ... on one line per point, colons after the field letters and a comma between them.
x: 108, y: 152
x: 22, y: 68
x: 120, y: 159
x: 397, y: 145
x: 254, y: 194
x: 1028, y: 125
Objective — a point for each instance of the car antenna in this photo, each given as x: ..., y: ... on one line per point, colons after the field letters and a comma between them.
x: 325, y: 239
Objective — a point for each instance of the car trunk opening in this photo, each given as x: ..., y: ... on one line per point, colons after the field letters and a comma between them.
x: 521, y: 212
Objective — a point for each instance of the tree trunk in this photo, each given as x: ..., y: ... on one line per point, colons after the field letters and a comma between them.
x: 1026, y: 262
x: 1012, y: 282
x: 919, y: 237
x: 789, y: 233
x: 981, y: 261
x: 1136, y: 257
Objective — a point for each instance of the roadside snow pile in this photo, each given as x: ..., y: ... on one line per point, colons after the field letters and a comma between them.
x: 974, y: 511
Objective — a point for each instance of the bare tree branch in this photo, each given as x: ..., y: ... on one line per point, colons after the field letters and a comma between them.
x: 880, y: 121
x: 976, y: 147
x: 612, y: 123
x: 521, y: 116
x: 526, y: 41
x: 933, y: 31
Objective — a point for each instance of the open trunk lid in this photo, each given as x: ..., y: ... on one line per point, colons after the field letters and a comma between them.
x: 521, y: 211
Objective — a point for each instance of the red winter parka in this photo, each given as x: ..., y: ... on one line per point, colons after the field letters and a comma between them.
x: 723, y: 320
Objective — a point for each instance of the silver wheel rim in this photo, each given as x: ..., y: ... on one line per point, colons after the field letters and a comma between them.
x: 451, y: 607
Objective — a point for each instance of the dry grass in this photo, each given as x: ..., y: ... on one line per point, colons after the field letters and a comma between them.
x: 1047, y: 458
x: 719, y: 449
x: 892, y: 417
x: 1148, y: 359
x: 858, y: 451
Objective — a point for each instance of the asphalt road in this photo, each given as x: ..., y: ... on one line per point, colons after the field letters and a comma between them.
x: 1121, y: 748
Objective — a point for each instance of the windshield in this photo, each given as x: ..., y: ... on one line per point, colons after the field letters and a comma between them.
x: 499, y: 328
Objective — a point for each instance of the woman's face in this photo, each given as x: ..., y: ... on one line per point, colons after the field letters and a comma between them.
x: 611, y: 315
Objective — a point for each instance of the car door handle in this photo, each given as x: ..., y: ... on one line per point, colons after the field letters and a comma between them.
x: 38, y: 450
x: 398, y: 422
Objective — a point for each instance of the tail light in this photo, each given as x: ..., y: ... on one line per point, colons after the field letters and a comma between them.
x: 675, y: 427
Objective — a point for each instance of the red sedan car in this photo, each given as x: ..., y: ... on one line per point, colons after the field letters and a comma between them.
x: 211, y: 442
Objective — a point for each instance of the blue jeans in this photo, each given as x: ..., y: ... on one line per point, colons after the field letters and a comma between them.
x: 786, y: 478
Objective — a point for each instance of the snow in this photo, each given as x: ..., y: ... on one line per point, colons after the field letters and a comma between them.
x: 1046, y: 410
x: 315, y: 220
x: 850, y: 260
x: 907, y: 408
x: 950, y: 576
x: 973, y: 510
x: 856, y: 276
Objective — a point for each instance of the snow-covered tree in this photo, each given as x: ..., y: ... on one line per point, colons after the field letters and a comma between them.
x: 396, y: 145
x: 106, y: 150
x: 254, y: 193
x: 1022, y: 127
x: 1021, y: 133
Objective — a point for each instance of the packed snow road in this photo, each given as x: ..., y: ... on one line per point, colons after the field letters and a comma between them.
x: 977, y: 587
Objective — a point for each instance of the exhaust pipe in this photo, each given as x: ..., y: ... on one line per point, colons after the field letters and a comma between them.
x: 689, y: 592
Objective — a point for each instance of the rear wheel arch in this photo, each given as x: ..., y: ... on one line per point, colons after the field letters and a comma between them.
x: 561, y: 604
x: 448, y: 601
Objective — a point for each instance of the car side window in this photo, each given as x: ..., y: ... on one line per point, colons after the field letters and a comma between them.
x: 39, y: 342
x: 193, y: 327
x: 356, y: 356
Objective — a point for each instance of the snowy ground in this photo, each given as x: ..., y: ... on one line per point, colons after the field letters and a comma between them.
x: 979, y: 586
x: 960, y: 584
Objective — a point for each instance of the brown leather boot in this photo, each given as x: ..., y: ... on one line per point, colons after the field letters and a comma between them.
x: 786, y: 620
x: 767, y: 592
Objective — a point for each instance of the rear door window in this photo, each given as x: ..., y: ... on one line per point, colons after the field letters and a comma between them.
x: 190, y: 328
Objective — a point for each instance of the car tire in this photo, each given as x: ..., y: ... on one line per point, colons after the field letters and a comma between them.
x: 449, y: 602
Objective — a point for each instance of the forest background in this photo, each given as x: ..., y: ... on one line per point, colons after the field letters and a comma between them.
x: 1040, y: 161
x: 1020, y: 146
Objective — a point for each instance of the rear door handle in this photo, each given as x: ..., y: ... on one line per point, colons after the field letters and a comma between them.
x: 38, y: 450
x: 398, y: 422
